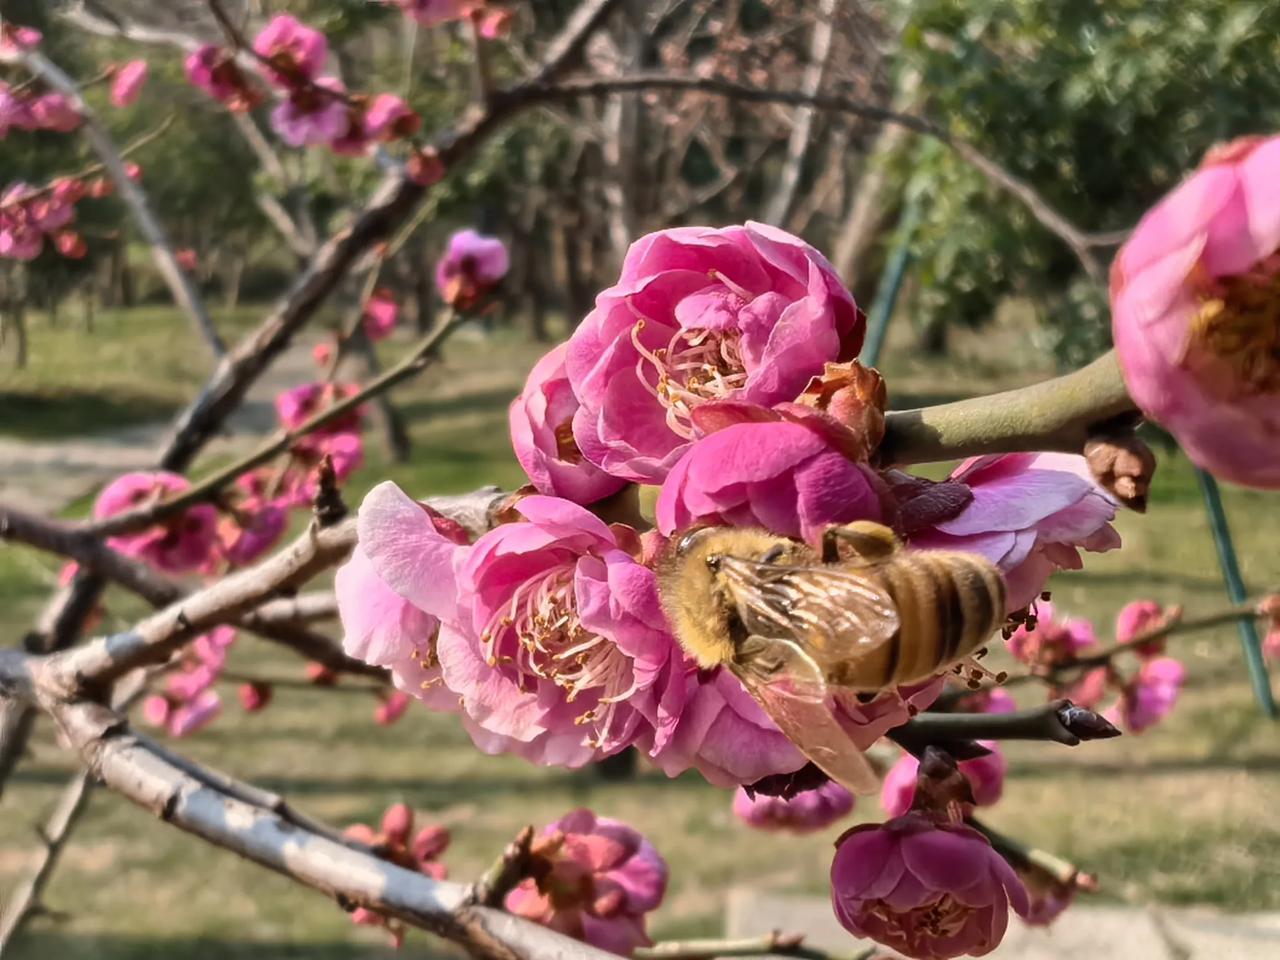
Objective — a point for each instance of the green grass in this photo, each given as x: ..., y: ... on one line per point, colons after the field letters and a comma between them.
x: 1182, y: 814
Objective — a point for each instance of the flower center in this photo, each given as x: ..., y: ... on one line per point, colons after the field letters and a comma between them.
x: 939, y: 918
x: 1239, y: 323
x: 540, y: 635
x: 566, y: 446
x: 694, y: 366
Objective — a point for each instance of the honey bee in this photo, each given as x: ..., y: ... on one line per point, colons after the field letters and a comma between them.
x: 805, y: 632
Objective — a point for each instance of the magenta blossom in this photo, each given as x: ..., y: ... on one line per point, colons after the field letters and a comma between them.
x: 1140, y: 617
x: 471, y: 267
x: 985, y: 776
x: 541, y: 420
x: 128, y: 82
x: 1053, y: 641
x: 389, y: 118
x: 297, y: 405
x: 931, y: 891
x: 551, y: 635
x: 786, y: 475
x: 804, y: 813
x: 747, y: 313
x: 295, y: 52
x: 598, y: 880
x: 1031, y: 514
x: 1194, y: 295
x: 380, y: 314
x: 15, y: 38
x: 308, y: 117
x: 53, y: 111
x: 14, y: 112
x: 214, y: 70
x: 1149, y: 696
x: 429, y: 13
x: 176, y: 545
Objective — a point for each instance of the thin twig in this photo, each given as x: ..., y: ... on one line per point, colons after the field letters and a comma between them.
x: 771, y: 944
x: 1058, y: 721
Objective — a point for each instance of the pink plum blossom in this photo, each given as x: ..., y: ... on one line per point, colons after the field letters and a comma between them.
x: 1031, y: 514
x: 391, y: 708
x: 985, y: 775
x: 510, y: 606
x: 1194, y: 295
x: 388, y: 117
x: 1053, y: 641
x: 128, y: 82
x: 804, y: 813
x: 175, y: 545
x: 252, y: 531
x: 787, y: 476
x: 53, y: 111
x: 308, y: 117
x: 598, y: 878
x: 15, y: 38
x: 471, y: 267
x: 1046, y: 897
x: 394, y: 840
x: 214, y: 70
x: 195, y: 714
x: 380, y: 314
x: 1137, y: 618
x: 297, y: 405
x: 541, y: 421
x: 928, y: 890
x: 747, y: 313
x: 15, y: 112
x: 429, y: 13
x: 495, y: 24
x: 294, y: 51
x: 1149, y: 696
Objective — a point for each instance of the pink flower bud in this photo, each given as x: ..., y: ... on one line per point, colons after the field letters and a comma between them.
x: 320, y: 675
x: 1139, y: 617
x: 380, y: 314
x: 425, y: 168
x: 70, y: 244
x: 254, y: 696
x: 128, y: 83
x: 294, y: 51
x: 472, y: 266
x: 1151, y: 694
x: 156, y: 710
x: 391, y: 709
x: 397, y: 823
x: 187, y: 258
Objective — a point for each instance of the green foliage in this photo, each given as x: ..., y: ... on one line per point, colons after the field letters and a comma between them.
x: 1101, y: 105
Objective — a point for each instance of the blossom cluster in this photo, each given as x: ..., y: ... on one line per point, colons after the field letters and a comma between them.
x: 1054, y: 646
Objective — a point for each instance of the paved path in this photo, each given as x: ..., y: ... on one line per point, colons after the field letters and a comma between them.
x: 1083, y: 932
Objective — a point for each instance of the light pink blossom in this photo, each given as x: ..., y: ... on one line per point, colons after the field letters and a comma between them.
x: 511, y: 608
x: 931, y: 891
x: 53, y: 111
x: 308, y: 117
x: 806, y: 812
x: 747, y: 313
x: 785, y: 475
x: 1139, y: 617
x: 1031, y: 514
x: 176, y: 545
x: 985, y: 775
x: 1149, y: 696
x: 1194, y: 295
x: 598, y: 879
x: 1053, y: 641
x: 195, y: 714
x: 15, y: 38
x: 541, y: 421
x: 471, y: 267
x: 128, y: 82
x: 388, y: 118
x: 294, y: 51
x: 380, y: 314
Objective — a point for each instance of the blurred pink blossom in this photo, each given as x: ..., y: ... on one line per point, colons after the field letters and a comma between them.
x: 53, y: 111
x: 380, y: 314
x: 551, y: 636
x: 772, y: 470
x: 391, y: 841
x: 1137, y: 618
x: 176, y: 545
x: 128, y: 82
x: 15, y: 112
x: 15, y: 38
x: 804, y: 813
x: 931, y: 891
x: 1053, y: 641
x: 388, y: 117
x: 294, y: 51
x: 391, y: 708
x: 1149, y: 695
x: 432, y: 12
x: 471, y: 267
x: 1031, y: 514
x: 541, y: 421
x: 495, y: 24
x: 1194, y: 295
x: 214, y: 70
x: 254, y: 696
x: 308, y: 117
x: 599, y: 880
x: 195, y: 714
x: 747, y: 313
x: 985, y: 776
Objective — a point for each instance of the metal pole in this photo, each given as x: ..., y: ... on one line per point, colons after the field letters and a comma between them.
x: 1247, y: 628
x: 895, y: 271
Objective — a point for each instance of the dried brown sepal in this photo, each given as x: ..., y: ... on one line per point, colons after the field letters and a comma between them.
x: 506, y: 511
x: 855, y: 396
x: 788, y: 785
x: 328, y: 505
x: 1124, y: 466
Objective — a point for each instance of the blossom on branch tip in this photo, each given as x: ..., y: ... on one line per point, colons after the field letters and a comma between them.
x: 541, y: 421
x: 595, y: 879
x: 176, y: 545
x: 128, y: 82
x: 1195, y: 292
x: 472, y: 266
x: 1031, y: 514
x: 1140, y: 617
x: 806, y: 812
x: 294, y: 53
x: 308, y: 116
x: 1149, y: 695
x: 929, y: 890
x: 214, y: 70
x: 745, y: 313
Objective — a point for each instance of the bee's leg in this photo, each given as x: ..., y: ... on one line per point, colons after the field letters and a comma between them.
x: 863, y: 541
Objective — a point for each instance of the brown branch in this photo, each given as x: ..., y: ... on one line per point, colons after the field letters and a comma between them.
x: 775, y: 944
x: 180, y: 286
x: 1059, y: 721
x: 1023, y: 856
x: 297, y: 683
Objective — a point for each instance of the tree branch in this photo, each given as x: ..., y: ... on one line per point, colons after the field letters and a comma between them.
x: 1059, y: 721
x: 775, y: 944
x: 180, y: 285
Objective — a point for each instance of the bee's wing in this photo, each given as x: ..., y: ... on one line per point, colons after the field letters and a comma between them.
x: 834, y: 614
x: 791, y: 688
